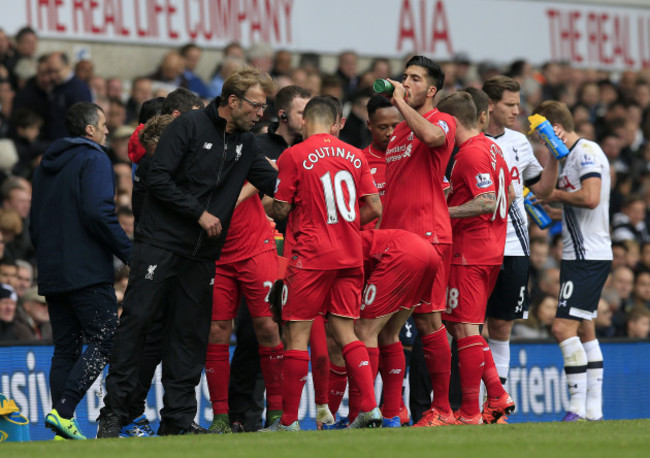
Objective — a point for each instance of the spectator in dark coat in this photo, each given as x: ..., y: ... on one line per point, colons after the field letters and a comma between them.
x: 68, y: 90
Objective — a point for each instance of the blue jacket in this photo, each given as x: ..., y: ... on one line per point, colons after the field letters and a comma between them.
x: 73, y: 223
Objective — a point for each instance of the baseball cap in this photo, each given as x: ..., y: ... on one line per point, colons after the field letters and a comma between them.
x: 31, y: 294
x: 7, y: 292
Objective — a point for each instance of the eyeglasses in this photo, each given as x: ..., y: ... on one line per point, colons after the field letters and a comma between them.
x: 255, y: 105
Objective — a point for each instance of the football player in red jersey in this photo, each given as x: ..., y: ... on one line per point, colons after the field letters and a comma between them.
x: 383, y: 117
x: 320, y: 183
x: 481, y: 192
x: 416, y: 159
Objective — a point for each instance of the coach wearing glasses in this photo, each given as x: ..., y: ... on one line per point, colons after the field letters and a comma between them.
x: 201, y: 162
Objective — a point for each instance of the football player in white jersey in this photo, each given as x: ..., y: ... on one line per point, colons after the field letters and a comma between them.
x: 584, y: 187
x: 509, y: 299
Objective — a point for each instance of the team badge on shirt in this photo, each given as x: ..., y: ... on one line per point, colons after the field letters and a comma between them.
x: 586, y: 159
x: 483, y: 180
x: 443, y: 125
x: 238, y: 149
x: 410, y: 137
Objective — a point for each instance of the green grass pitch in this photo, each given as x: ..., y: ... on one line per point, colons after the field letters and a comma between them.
x: 616, y: 439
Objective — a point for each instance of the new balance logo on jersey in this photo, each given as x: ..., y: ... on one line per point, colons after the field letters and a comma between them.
x: 238, y: 149
x: 364, y: 363
x: 150, y: 271
x: 207, y: 145
x: 483, y: 180
x: 395, y: 371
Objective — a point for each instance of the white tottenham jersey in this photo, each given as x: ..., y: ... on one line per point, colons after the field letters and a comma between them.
x: 524, y: 170
x: 585, y: 232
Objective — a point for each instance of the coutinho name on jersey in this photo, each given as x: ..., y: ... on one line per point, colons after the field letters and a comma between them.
x: 327, y: 151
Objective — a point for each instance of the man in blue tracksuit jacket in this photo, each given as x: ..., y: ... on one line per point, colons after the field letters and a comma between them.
x: 75, y: 231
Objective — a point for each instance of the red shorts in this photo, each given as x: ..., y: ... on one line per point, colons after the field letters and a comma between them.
x: 252, y: 277
x: 469, y: 289
x: 402, y: 278
x: 308, y: 293
x: 436, y: 301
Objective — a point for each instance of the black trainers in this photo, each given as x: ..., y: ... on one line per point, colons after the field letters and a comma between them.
x: 109, y: 426
x: 173, y: 430
x: 237, y: 427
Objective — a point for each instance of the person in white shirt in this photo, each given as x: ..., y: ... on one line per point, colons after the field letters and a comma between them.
x: 583, y: 190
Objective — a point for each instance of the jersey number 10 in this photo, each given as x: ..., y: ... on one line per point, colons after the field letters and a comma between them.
x: 335, y: 199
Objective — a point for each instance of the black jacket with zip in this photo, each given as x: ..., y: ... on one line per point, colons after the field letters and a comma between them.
x: 197, y: 166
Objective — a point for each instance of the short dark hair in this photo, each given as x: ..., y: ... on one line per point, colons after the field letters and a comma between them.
x: 180, y: 99
x: 80, y: 115
x: 150, y: 108
x: 556, y: 113
x: 322, y: 108
x: 24, y: 31
x: 481, y: 99
x: 495, y: 86
x: 285, y: 96
x: 187, y: 47
x: 24, y: 117
x: 434, y: 71
x: 336, y: 103
x: 377, y: 102
x: 461, y: 106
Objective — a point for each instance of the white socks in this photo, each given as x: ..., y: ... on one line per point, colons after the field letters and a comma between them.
x: 594, y: 409
x: 501, y: 353
x: 575, y: 367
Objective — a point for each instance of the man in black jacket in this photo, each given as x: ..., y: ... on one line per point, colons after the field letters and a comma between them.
x: 201, y: 162
x: 76, y: 234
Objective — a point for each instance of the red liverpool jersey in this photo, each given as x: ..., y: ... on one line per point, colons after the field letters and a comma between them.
x: 479, y: 168
x: 249, y: 234
x: 324, y: 178
x: 415, y: 201
x: 377, y: 163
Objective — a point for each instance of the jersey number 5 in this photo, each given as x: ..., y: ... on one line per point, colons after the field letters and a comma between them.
x: 335, y: 199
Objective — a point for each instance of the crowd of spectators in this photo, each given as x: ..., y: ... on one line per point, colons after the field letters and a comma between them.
x: 612, y: 108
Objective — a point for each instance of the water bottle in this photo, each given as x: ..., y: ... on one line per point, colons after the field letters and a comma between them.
x: 383, y: 86
x: 540, y: 124
x: 536, y: 211
x: 279, y: 242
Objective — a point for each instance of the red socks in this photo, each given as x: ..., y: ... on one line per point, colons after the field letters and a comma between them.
x: 490, y: 375
x: 470, y: 365
x: 357, y: 363
x: 437, y: 355
x: 217, y: 372
x: 294, y: 375
x: 271, y: 364
x: 337, y: 384
x: 373, y: 354
x: 320, y: 361
x: 393, y: 366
